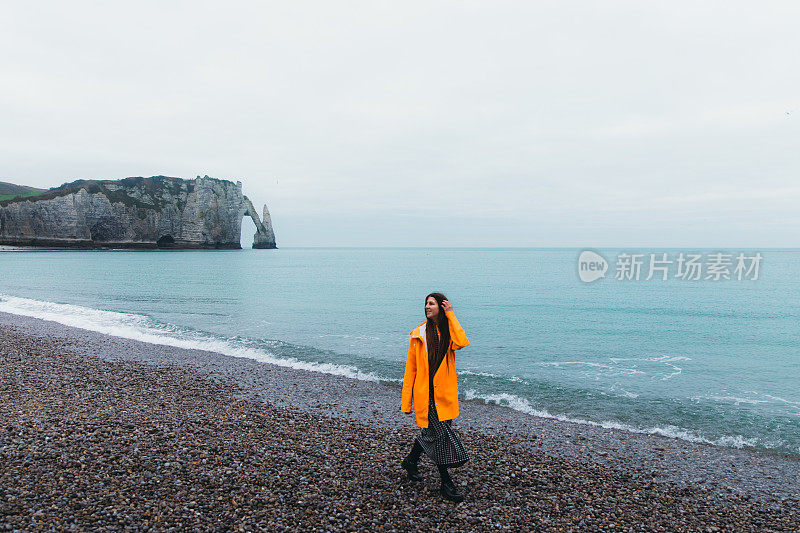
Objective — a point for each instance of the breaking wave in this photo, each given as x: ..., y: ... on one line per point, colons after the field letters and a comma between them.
x: 144, y: 329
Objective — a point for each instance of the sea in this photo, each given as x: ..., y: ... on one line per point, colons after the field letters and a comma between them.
x: 700, y: 358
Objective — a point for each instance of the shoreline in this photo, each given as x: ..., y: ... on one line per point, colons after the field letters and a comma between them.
x: 663, y: 429
x: 767, y: 482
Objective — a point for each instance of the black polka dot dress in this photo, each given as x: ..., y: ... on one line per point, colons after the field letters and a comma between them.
x: 439, y: 440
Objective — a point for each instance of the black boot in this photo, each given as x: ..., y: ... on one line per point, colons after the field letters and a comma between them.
x: 448, y: 489
x: 409, y: 464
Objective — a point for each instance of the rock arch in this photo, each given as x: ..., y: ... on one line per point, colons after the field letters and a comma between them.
x: 264, y: 237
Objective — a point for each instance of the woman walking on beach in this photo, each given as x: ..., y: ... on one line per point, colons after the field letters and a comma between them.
x: 430, y: 382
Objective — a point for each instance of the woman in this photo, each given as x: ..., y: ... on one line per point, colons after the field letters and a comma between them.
x: 431, y: 367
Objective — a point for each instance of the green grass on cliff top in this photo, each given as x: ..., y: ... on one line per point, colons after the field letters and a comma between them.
x: 9, y: 191
x: 25, y: 194
x: 153, y: 188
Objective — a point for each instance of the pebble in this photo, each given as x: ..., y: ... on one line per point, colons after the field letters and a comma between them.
x: 93, y: 443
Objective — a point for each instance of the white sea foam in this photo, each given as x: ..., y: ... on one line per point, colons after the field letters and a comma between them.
x: 782, y: 400
x: 614, y: 369
x: 735, y: 399
x: 659, y: 359
x: 617, y: 387
x: 515, y: 379
x: 523, y: 405
x: 564, y: 363
x: 662, y: 359
x: 142, y: 328
x: 472, y: 373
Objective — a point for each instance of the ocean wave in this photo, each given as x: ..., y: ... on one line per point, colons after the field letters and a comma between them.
x: 523, y: 405
x: 662, y: 359
x: 514, y: 379
x: 769, y: 400
x: 144, y: 329
x: 725, y: 399
x: 473, y: 373
x: 627, y: 394
x: 613, y: 369
x: 782, y: 400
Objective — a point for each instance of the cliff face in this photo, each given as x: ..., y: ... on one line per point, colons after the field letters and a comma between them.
x: 129, y: 213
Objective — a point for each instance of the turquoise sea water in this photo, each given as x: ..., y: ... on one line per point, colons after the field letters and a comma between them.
x: 707, y: 361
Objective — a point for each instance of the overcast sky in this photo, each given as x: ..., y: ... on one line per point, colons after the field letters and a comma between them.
x: 426, y: 123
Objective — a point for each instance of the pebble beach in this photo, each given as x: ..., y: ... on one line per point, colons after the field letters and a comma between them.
x: 100, y: 432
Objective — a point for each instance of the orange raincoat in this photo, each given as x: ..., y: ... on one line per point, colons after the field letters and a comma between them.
x: 445, y: 385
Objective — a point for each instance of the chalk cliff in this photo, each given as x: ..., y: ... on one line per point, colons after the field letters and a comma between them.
x: 156, y: 212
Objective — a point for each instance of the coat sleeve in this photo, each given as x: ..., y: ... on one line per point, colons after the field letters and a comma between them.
x: 458, y: 339
x: 409, y: 377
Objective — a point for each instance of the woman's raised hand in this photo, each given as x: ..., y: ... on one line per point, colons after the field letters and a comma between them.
x: 446, y: 306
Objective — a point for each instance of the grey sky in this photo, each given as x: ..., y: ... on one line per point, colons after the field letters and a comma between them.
x: 426, y: 123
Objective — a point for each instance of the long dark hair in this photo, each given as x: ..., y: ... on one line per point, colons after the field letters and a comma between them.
x: 439, y: 345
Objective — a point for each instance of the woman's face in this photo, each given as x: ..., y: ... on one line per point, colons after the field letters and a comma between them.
x: 431, y: 307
